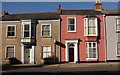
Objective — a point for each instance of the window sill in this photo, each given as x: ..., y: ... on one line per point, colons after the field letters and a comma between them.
x: 71, y: 31
x: 90, y: 35
x: 46, y: 37
x: 91, y: 59
x: 117, y: 31
x: 26, y: 38
x: 118, y: 55
x: 13, y: 37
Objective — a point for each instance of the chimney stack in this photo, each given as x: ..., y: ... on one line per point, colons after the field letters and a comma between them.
x: 59, y: 9
x: 98, y: 5
x: 5, y: 13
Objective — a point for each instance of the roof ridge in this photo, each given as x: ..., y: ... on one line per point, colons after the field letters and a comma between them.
x: 33, y: 13
x: 77, y: 9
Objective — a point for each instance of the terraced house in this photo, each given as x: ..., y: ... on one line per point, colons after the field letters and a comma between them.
x: 82, y: 35
x: 112, y: 31
x: 29, y: 38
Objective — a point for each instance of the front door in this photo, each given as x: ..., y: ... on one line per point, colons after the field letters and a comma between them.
x: 71, y: 54
x: 27, y: 54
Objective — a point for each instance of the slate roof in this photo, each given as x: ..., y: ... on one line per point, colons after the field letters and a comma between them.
x: 40, y: 16
x: 111, y: 11
x: 80, y: 12
x: 56, y: 15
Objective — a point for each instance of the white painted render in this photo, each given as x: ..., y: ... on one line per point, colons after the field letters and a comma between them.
x: 111, y: 37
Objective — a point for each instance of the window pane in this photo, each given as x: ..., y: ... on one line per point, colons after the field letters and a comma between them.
x: 46, y: 33
x: 71, y: 21
x: 89, y: 44
x: 44, y: 55
x: 26, y: 33
x: 94, y: 55
x: 91, y: 31
x: 48, y: 55
x: 118, y: 21
x: 46, y: 27
x: 91, y: 50
x: 71, y: 27
x: 26, y: 27
x: 91, y: 22
x: 11, y: 34
x: 87, y: 53
x: 11, y: 31
x: 118, y: 26
x: 11, y: 28
x: 46, y: 51
x: 71, y: 24
x: 118, y: 45
x: 94, y: 44
x: 10, y: 52
x: 118, y: 51
x: 46, y: 30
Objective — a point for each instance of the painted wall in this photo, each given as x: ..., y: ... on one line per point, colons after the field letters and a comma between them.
x: 40, y: 41
x: 79, y: 34
x: 11, y: 41
x: 111, y: 37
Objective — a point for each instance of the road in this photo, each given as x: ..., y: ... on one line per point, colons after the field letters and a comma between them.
x: 71, y: 69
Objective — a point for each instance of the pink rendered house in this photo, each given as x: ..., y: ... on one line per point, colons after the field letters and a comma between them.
x: 82, y: 35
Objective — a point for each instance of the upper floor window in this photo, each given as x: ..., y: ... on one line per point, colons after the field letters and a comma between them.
x: 11, y: 31
x: 71, y: 24
x: 46, y: 30
x: 118, y: 24
x: 46, y: 51
x: 10, y: 51
x: 26, y: 30
x: 118, y: 48
x: 90, y: 27
x: 91, y: 49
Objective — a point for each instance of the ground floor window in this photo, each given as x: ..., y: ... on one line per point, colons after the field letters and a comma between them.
x: 46, y: 51
x: 10, y: 51
x: 91, y: 49
x: 118, y: 48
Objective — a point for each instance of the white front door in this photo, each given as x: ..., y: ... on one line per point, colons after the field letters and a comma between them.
x: 27, y: 54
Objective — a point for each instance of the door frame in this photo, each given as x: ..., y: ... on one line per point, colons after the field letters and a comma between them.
x: 32, y: 57
x: 75, y: 42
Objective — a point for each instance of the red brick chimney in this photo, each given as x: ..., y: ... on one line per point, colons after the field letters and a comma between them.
x: 98, y: 5
x: 59, y: 9
x: 5, y: 13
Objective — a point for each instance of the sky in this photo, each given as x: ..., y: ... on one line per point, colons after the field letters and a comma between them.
x: 25, y: 7
x: 57, y: 0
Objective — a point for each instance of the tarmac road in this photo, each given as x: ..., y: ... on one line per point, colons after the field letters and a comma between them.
x: 71, y: 69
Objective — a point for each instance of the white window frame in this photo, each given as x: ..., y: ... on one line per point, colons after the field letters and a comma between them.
x: 86, y: 20
x: 117, y: 50
x: 7, y: 30
x: 50, y: 29
x: 42, y: 50
x: 74, y: 24
x: 87, y: 58
x: 6, y: 49
x: 117, y: 24
x: 22, y: 29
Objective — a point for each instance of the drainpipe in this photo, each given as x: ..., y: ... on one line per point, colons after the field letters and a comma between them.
x: 54, y: 51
